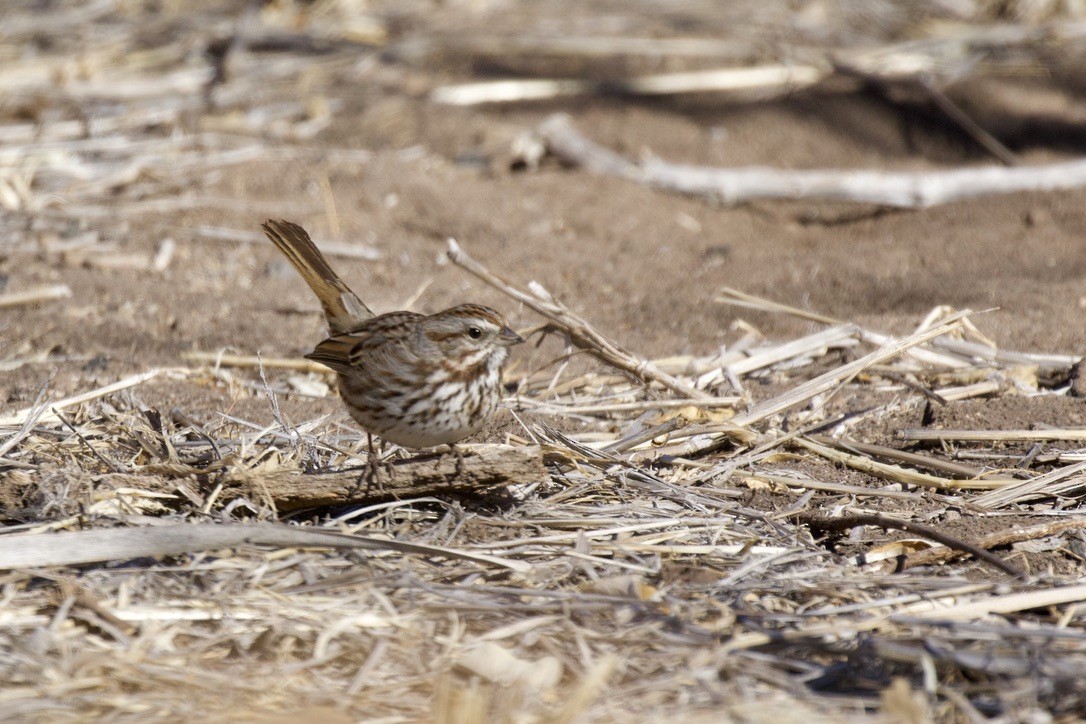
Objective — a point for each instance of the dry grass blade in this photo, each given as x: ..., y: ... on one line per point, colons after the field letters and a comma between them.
x: 740, y: 298
x: 834, y: 336
x: 22, y: 416
x: 948, y: 467
x: 1051, y: 483
x: 899, y: 474
x: 828, y: 381
x: 1006, y: 603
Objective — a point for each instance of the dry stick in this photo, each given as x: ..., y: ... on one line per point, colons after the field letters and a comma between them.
x: 819, y: 341
x: 974, y: 350
x: 635, y: 406
x: 996, y: 540
x: 848, y: 522
x: 477, y: 472
x: 1003, y: 603
x: 33, y: 550
x: 32, y: 419
x: 780, y: 78
x: 922, y: 461
x: 738, y: 185
x: 35, y: 296
x: 809, y: 484
x: 927, y: 435
x: 899, y: 474
x: 990, y: 143
x: 101, y: 458
x: 584, y: 336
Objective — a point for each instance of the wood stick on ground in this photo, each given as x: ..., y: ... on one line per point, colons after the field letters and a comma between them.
x: 974, y: 350
x: 32, y: 550
x: 583, y: 335
x: 35, y: 296
x: 480, y: 471
x: 930, y: 435
x: 909, y: 458
x: 740, y: 298
x: 848, y: 522
x: 775, y: 78
x: 908, y: 190
x: 899, y: 474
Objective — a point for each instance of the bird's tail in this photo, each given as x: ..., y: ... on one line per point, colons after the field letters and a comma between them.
x: 342, y: 307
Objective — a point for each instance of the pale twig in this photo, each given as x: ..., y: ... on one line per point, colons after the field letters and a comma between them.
x: 931, y: 435
x: 901, y: 189
x: 776, y: 78
x: 35, y: 296
x: 900, y: 474
x: 921, y: 461
x: 996, y: 540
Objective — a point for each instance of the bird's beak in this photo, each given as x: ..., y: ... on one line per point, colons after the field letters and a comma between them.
x: 508, y: 337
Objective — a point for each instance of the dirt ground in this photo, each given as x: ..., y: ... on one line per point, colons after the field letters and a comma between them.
x: 643, y: 265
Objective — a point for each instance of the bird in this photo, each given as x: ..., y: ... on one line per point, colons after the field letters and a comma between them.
x: 416, y: 380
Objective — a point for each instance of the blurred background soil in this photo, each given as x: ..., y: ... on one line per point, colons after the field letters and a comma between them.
x: 644, y: 265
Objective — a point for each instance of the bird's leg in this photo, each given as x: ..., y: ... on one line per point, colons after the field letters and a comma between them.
x: 458, y: 453
x: 371, y: 472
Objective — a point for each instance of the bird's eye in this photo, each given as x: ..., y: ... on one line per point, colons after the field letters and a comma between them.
x: 475, y: 332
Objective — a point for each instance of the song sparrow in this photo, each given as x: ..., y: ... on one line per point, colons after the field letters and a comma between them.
x: 414, y: 380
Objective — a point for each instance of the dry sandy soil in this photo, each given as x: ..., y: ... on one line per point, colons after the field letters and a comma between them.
x: 643, y: 265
